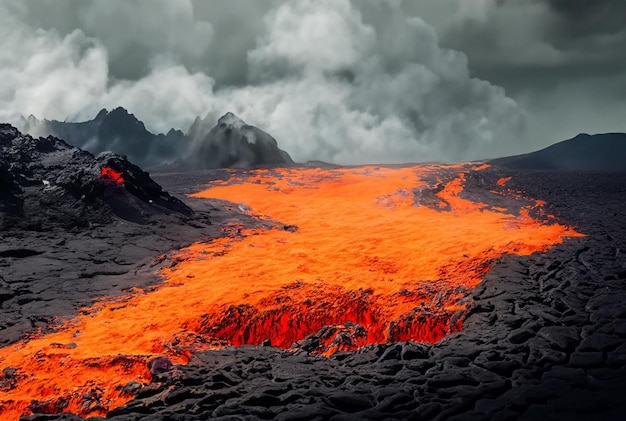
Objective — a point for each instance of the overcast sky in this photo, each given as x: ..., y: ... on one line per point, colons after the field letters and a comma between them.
x: 336, y: 80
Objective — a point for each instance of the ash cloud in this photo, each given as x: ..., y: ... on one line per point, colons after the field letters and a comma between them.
x: 340, y: 81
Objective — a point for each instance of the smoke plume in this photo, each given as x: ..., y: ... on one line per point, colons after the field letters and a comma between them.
x: 321, y: 77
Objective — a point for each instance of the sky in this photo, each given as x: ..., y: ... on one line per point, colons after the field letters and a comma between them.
x: 348, y: 82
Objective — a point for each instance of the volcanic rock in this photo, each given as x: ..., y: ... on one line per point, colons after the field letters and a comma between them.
x: 233, y: 143
x: 75, y: 227
x: 45, y: 182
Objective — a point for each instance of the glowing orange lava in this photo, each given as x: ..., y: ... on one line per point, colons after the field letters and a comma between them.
x: 357, y: 257
x: 502, y: 181
x: 110, y: 174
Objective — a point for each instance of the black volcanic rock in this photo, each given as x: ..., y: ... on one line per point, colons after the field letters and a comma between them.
x: 600, y: 152
x: 139, y: 184
x: 233, y: 143
x: 45, y: 183
x: 9, y: 188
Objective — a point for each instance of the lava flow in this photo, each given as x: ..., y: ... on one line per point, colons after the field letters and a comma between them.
x: 360, y: 255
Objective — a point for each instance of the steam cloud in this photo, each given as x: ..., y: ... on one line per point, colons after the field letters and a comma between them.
x: 325, y: 82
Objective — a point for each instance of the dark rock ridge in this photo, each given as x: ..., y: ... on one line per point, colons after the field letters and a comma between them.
x: 231, y: 143
x: 45, y: 183
x: 600, y: 152
x: 117, y: 131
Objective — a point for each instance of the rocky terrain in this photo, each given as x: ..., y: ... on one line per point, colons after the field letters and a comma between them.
x: 229, y: 143
x: 545, y: 337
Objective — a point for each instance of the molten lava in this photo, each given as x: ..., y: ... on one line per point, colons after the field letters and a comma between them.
x: 108, y: 173
x: 357, y: 257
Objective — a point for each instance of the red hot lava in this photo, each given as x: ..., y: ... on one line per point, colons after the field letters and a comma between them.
x: 366, y: 264
x: 109, y: 173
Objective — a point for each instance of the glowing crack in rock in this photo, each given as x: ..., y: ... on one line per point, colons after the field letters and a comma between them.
x: 108, y: 173
x: 361, y: 255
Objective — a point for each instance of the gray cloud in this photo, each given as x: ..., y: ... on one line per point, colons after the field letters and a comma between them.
x: 555, y: 39
x: 348, y: 82
x: 578, y: 19
x: 165, y: 29
x: 387, y: 91
x: 59, y: 74
x: 560, y: 59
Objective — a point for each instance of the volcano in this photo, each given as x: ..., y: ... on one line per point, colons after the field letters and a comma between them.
x: 466, y: 291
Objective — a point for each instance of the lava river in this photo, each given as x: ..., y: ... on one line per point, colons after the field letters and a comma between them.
x: 361, y: 255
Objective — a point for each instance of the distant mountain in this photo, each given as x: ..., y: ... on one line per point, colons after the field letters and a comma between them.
x: 117, y: 131
x: 231, y: 143
x: 600, y: 152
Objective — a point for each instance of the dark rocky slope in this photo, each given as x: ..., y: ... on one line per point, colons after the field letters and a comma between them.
x: 45, y: 182
x: 600, y: 152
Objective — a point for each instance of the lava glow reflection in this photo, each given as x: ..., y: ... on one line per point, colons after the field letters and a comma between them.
x: 373, y: 254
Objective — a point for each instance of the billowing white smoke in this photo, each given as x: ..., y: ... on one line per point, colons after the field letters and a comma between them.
x: 324, y: 83
x: 67, y: 77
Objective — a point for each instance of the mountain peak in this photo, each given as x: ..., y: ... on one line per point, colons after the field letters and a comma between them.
x: 122, y: 120
x: 120, y: 111
x: 233, y: 143
x: 230, y: 120
x: 101, y: 114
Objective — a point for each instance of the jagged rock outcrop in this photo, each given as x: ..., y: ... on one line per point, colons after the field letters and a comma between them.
x: 233, y: 143
x: 46, y: 183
